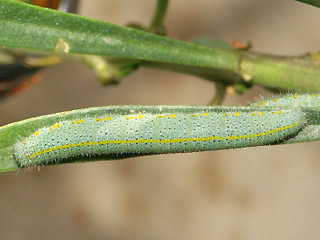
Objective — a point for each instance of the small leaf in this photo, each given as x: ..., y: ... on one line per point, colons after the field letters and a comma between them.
x: 315, y: 3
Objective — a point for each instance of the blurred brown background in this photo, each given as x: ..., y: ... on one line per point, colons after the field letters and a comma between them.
x: 254, y: 193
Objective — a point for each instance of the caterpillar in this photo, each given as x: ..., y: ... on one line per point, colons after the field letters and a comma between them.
x: 146, y: 130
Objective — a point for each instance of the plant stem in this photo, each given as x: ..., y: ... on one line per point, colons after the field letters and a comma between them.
x: 296, y: 74
x: 29, y: 27
x: 159, y: 14
x: 219, y: 95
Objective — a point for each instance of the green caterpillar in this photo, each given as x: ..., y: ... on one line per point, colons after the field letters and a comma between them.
x: 145, y: 130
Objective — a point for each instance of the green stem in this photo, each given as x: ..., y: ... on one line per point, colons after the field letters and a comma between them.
x: 296, y: 74
x: 159, y: 14
x: 30, y: 27
x: 219, y: 95
x: 110, y: 71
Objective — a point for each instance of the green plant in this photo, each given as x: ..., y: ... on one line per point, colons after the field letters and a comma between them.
x: 113, y: 52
